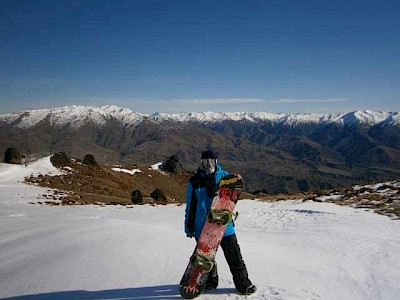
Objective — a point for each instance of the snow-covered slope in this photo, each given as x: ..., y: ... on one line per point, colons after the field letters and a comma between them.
x: 74, y: 115
x: 368, y: 117
x: 293, y: 250
x: 212, y: 117
x: 77, y: 116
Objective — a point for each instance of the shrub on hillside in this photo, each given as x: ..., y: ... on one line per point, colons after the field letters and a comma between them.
x: 60, y: 160
x: 137, y: 197
x: 172, y: 165
x: 89, y: 160
x: 12, y: 156
x: 159, y: 196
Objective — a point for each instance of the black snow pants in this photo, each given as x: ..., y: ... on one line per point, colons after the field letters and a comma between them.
x: 233, y: 256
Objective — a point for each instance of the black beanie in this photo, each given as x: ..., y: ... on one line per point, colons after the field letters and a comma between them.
x: 208, y: 154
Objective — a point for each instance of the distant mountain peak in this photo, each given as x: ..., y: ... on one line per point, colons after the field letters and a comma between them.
x: 368, y: 117
x: 78, y: 115
x: 73, y: 115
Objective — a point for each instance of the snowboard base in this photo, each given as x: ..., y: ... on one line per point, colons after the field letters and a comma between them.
x: 201, y: 262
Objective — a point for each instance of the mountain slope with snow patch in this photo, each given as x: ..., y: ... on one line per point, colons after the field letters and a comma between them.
x: 77, y: 116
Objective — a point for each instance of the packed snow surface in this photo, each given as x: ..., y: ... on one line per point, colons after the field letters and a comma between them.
x: 293, y: 250
x: 77, y: 116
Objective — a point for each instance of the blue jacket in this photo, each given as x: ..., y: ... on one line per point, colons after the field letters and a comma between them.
x: 204, y: 190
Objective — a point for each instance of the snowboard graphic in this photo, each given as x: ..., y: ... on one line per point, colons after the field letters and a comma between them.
x: 220, y: 215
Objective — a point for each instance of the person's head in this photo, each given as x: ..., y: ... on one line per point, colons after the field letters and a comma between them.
x: 208, y: 160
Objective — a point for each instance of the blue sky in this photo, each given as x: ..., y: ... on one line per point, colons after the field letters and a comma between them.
x: 172, y: 56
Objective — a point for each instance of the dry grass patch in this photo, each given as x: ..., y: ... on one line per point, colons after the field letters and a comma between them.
x: 83, y: 184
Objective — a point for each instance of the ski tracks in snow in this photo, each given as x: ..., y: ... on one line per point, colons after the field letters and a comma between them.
x: 271, y: 293
x: 263, y: 293
x: 290, y: 218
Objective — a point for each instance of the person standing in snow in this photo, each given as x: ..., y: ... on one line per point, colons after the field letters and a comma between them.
x: 199, y: 195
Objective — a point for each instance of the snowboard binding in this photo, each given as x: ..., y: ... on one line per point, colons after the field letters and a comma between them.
x: 220, y: 217
x: 202, y: 262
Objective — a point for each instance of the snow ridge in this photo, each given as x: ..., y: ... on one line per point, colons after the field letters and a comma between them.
x: 368, y: 117
x: 76, y: 116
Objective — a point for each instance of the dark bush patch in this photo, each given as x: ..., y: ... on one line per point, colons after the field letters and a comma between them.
x: 159, y: 196
x: 89, y: 160
x: 137, y: 197
x: 12, y: 156
x: 60, y: 160
x: 172, y: 165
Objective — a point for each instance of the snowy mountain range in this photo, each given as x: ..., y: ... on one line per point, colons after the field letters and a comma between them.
x: 275, y: 152
x: 77, y: 116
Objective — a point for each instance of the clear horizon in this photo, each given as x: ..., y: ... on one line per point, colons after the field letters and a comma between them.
x: 180, y: 56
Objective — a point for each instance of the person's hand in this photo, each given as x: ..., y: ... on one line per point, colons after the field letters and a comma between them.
x: 239, y: 176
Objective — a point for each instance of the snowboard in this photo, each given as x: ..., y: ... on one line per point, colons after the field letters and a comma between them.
x: 202, y: 260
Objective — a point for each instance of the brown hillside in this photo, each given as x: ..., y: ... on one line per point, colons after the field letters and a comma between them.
x: 81, y: 184
x: 101, y: 185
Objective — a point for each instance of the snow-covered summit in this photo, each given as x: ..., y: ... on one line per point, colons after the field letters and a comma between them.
x: 213, y: 117
x: 77, y: 116
x: 368, y: 117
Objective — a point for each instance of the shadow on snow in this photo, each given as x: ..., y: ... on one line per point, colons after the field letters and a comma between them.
x: 170, y: 292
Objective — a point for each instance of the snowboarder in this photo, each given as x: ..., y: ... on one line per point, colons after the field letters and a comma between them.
x: 200, y: 191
